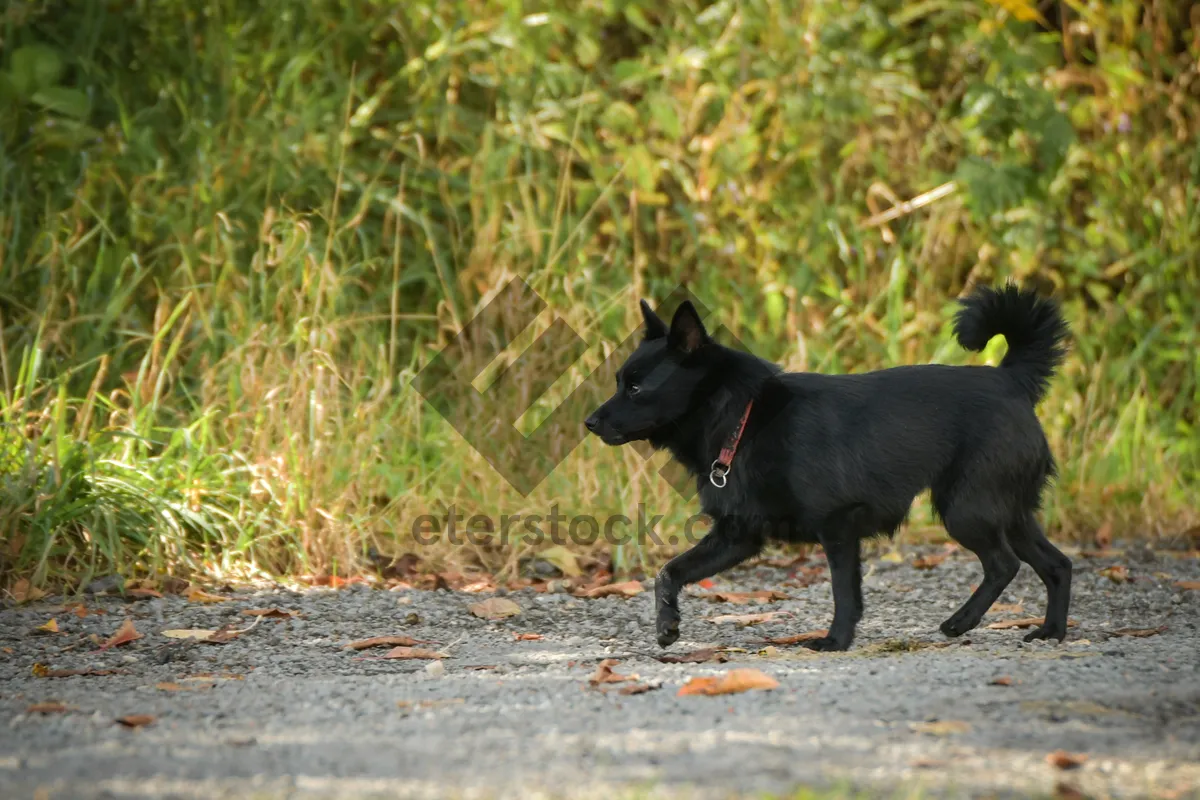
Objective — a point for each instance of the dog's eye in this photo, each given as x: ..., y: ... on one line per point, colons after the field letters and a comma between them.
x: 633, y: 389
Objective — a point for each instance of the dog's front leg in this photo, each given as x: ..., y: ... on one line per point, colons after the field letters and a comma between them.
x: 728, y: 544
x: 845, y: 573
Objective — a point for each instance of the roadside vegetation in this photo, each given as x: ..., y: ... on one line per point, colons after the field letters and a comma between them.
x: 231, y: 234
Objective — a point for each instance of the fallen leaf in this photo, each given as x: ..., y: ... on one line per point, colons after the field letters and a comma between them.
x: 1116, y: 573
x: 1003, y: 680
x: 142, y: 594
x: 136, y: 720
x: 42, y: 671
x: 412, y: 653
x: 742, y: 598
x: 1006, y: 608
x: 742, y: 620
x: 1064, y: 760
x: 1140, y: 633
x: 495, y: 608
x: 733, y: 682
x: 25, y: 592
x: 695, y: 657
x: 1103, y: 537
x: 604, y: 673
x: 385, y: 641
x: 49, y: 708
x: 125, y: 634
x: 199, y: 634
x: 941, y: 727
x: 564, y: 559
x: 707, y: 583
x: 527, y: 637
x: 273, y: 613
x: 1191, y: 586
x: 892, y: 557
x: 929, y: 561
x: 49, y: 627
x: 1028, y: 622
x: 168, y: 686
x: 639, y: 688
x: 798, y: 637
x: 197, y: 595
x: 627, y: 589
x: 479, y: 587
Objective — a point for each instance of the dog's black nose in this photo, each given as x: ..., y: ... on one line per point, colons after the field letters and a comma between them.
x: 591, y: 423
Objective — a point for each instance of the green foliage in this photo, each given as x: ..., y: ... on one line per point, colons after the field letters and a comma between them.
x: 237, y: 228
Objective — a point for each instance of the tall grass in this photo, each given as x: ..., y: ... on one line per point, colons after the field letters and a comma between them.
x: 231, y: 233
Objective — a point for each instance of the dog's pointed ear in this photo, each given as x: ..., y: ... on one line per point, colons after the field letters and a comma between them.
x: 687, y: 331
x: 655, y: 327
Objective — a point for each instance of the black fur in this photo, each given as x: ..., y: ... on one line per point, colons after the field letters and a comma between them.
x: 833, y: 459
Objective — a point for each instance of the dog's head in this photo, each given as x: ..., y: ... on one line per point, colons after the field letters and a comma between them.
x: 657, y: 384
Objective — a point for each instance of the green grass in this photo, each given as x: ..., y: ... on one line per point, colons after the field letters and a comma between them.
x: 232, y: 232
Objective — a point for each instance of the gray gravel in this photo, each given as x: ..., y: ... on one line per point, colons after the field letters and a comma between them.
x: 308, y: 718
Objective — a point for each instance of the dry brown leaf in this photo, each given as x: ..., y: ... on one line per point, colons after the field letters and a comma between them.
x: 25, y: 592
x: 1064, y: 760
x: 1191, y: 586
x: 199, y: 634
x: 527, y: 637
x: 49, y: 627
x: 604, y: 673
x: 1006, y: 608
x: 495, y: 608
x: 639, y: 688
x: 627, y: 589
x: 930, y: 561
x: 941, y: 727
x: 413, y: 652
x: 385, y: 641
x: 142, y: 594
x: 136, y: 720
x: 733, y: 682
x: 1140, y: 633
x: 695, y: 657
x: 798, y: 637
x: 1103, y: 537
x: 742, y: 620
x: 197, y: 595
x: 1003, y: 680
x: 480, y: 586
x: 273, y: 613
x: 1028, y: 622
x: 1116, y: 573
x: 49, y: 708
x: 42, y: 671
x: 742, y: 598
x: 125, y: 634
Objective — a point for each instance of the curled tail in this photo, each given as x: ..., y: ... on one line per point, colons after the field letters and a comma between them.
x: 1033, y: 326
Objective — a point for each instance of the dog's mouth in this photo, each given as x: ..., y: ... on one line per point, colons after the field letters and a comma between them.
x: 613, y: 438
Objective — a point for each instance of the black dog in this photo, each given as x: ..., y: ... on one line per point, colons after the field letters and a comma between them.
x: 833, y: 459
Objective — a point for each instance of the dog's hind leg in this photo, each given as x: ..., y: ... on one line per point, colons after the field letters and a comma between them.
x: 1030, y: 544
x: 728, y: 544
x: 986, y: 540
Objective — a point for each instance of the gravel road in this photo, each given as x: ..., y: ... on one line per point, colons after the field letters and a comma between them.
x: 284, y: 710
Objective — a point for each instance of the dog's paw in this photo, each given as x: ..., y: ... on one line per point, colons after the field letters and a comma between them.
x: 958, y: 624
x: 827, y: 644
x: 668, y: 632
x: 1046, y: 632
